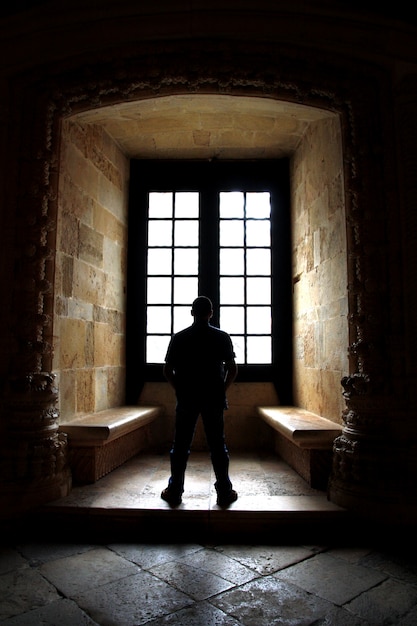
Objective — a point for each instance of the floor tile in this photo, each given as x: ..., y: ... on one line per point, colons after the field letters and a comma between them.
x: 10, y: 560
x: 198, y: 584
x: 198, y: 614
x: 269, y: 602
x: 63, y: 612
x: 41, y: 552
x: 385, y: 604
x: 75, y: 574
x: 23, y: 590
x: 318, y: 574
x: 265, y: 559
x: 133, y: 599
x: 149, y: 555
x: 214, y: 562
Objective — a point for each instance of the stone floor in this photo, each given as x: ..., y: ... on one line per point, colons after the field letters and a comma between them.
x: 275, y: 572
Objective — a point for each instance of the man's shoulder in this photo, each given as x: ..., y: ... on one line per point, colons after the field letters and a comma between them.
x: 219, y: 331
x: 195, y: 330
x: 185, y: 332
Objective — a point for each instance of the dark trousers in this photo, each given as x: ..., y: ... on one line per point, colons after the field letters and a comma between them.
x: 187, y: 415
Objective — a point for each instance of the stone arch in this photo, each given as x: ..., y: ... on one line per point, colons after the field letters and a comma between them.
x: 278, y: 74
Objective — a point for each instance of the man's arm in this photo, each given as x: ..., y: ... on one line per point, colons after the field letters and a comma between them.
x: 169, y: 374
x: 231, y: 373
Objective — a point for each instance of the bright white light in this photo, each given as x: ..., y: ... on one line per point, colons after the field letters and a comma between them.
x: 156, y: 348
x: 231, y: 233
x: 182, y: 318
x: 159, y: 261
x: 186, y: 233
x: 258, y: 204
x: 258, y: 261
x: 259, y: 320
x: 259, y: 350
x: 159, y: 290
x: 258, y: 233
x: 231, y: 261
x: 185, y: 290
x: 186, y: 203
x: 186, y: 261
x: 231, y: 204
x: 258, y: 290
x: 232, y: 319
x: 232, y: 290
x: 158, y: 319
x: 160, y: 204
x: 160, y: 233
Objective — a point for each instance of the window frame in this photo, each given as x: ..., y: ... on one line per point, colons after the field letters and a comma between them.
x: 209, y: 178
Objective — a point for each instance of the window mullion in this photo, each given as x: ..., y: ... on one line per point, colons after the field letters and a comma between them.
x: 209, y: 248
x: 245, y: 287
x: 172, y: 263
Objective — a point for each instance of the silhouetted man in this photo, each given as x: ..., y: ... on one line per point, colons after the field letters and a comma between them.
x: 200, y: 365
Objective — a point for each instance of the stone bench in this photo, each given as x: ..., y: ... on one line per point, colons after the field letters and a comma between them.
x: 100, y: 442
x: 304, y: 440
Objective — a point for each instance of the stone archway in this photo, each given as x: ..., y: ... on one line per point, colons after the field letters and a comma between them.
x: 278, y: 75
x: 96, y: 147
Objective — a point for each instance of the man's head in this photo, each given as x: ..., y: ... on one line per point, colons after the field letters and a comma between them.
x: 202, y: 308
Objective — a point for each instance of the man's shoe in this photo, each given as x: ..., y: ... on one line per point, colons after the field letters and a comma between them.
x: 224, y: 499
x: 172, y: 497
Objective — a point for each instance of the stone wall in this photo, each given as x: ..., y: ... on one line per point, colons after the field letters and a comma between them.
x: 319, y: 270
x: 91, y: 275
x: 90, y: 281
x: 90, y: 278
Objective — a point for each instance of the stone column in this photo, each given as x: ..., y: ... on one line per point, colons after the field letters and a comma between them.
x: 33, y: 466
x: 375, y: 458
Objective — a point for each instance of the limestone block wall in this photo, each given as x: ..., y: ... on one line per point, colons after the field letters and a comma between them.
x: 90, y: 281
x: 319, y: 270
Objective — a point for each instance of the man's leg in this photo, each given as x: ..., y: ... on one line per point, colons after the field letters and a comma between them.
x: 185, y: 423
x: 214, y: 428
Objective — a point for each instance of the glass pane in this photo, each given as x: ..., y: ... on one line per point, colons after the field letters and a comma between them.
x: 258, y: 291
x: 232, y: 290
x: 231, y: 261
x: 156, y: 348
x: 186, y: 204
x: 160, y: 233
x: 185, y: 290
x: 259, y: 320
x: 232, y: 319
x: 160, y: 204
x: 258, y: 261
x: 158, y: 319
x: 159, y: 261
x: 186, y: 233
x: 186, y: 261
x: 259, y: 350
x: 239, y: 348
x: 182, y: 317
x: 258, y: 204
x: 258, y: 233
x: 231, y: 233
x: 159, y: 290
x: 231, y: 204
